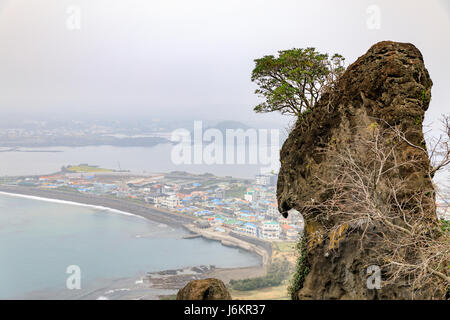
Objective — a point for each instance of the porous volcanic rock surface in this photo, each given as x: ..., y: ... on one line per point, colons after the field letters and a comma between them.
x: 391, y: 85
x: 206, y: 289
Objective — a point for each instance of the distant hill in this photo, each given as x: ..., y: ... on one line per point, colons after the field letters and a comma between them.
x: 229, y: 124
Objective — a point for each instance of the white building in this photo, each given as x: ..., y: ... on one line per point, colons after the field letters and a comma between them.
x: 270, y: 230
x: 252, y: 195
x: 272, y: 210
x: 249, y: 196
x: 443, y: 210
x: 251, y: 229
x: 262, y: 180
x: 170, y: 201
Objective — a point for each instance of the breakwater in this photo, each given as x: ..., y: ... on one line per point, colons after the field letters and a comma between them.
x: 260, y: 247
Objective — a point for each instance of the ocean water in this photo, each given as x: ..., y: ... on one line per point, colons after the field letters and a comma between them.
x: 136, y: 159
x: 40, y: 239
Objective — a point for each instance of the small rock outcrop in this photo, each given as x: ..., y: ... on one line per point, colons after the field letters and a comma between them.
x: 388, y: 86
x: 206, y: 289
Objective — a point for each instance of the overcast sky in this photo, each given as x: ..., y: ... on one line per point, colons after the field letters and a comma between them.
x: 191, y: 58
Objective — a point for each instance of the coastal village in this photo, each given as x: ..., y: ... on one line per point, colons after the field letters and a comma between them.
x: 238, y: 212
x: 219, y: 204
x: 222, y: 204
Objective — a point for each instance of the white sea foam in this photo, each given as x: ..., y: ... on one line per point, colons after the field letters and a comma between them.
x: 73, y: 203
x: 116, y: 290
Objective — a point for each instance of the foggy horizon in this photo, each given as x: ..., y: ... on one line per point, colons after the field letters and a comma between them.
x: 224, y: 150
x: 193, y: 60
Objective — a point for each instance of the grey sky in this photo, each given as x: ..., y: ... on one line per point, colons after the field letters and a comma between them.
x: 190, y: 58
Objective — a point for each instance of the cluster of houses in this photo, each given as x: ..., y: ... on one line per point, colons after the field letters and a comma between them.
x: 247, y: 207
x: 254, y: 213
x: 251, y: 210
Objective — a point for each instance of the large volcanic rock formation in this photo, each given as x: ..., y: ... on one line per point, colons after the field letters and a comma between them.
x: 206, y: 289
x: 388, y: 87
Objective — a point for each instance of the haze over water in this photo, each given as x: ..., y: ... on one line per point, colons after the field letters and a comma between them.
x: 136, y: 159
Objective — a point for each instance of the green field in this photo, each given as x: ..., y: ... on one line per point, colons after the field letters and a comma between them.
x: 236, y: 192
x: 272, y: 293
x: 284, y: 246
x: 86, y: 168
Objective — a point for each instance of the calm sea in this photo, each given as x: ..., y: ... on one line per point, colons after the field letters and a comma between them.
x: 136, y: 159
x: 39, y: 240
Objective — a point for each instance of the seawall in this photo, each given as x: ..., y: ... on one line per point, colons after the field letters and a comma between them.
x: 232, y: 241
